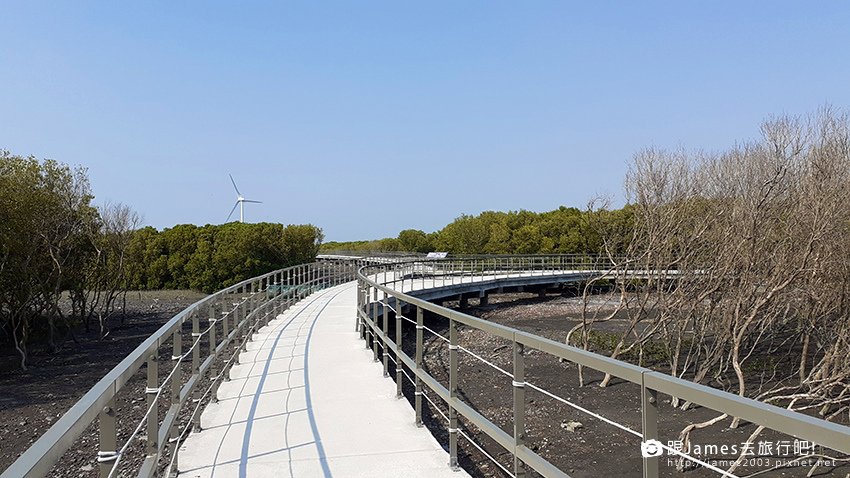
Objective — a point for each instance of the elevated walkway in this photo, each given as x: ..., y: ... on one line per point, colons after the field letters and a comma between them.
x: 307, y: 400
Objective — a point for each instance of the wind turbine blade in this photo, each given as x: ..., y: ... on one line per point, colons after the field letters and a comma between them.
x: 234, y: 184
x: 251, y: 200
x: 231, y: 211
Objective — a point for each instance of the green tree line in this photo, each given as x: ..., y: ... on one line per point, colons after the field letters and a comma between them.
x: 565, y: 230
x: 211, y: 257
x: 64, y: 262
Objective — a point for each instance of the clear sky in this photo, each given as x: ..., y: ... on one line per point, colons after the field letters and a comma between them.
x: 369, y: 117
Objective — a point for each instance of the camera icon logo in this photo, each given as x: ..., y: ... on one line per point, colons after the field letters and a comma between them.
x: 651, y: 448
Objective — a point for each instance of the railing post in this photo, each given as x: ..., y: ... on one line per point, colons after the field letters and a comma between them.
x: 257, y: 296
x: 196, y: 363
x: 213, y: 307
x: 196, y: 335
x: 108, y: 439
x: 296, y: 277
x: 275, y: 309
x: 398, y: 363
x: 236, y: 319
x: 151, y: 395
x: 290, y: 288
x: 375, y: 326
x: 248, y: 291
x: 213, y: 320
x: 287, y: 280
x: 254, y: 296
x: 385, y: 319
x: 254, y: 305
x: 243, y: 324
x: 417, y: 382
x: 176, y: 384
x: 270, y: 305
x: 225, y: 330
x: 649, y: 423
x: 359, y: 307
x: 519, y: 405
x: 453, y: 371
x: 364, y: 308
x: 364, y: 328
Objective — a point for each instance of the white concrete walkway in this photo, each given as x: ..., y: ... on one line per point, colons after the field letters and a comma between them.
x: 307, y: 400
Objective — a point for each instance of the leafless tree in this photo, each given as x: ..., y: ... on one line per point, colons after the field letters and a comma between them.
x: 104, y: 279
x: 738, y: 265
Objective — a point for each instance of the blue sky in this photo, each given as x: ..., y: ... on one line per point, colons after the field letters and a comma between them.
x: 366, y: 118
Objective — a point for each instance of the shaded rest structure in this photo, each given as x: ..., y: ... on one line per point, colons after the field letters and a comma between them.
x: 307, y: 400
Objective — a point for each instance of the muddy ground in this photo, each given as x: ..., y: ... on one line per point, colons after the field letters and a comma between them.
x: 31, y: 401
x: 577, y: 443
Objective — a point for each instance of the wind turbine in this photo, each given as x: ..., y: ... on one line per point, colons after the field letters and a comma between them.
x: 240, y: 202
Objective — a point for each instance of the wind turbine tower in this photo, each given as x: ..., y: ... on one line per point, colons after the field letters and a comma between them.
x: 240, y: 202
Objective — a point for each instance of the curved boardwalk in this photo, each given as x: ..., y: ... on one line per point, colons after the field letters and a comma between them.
x: 306, y: 400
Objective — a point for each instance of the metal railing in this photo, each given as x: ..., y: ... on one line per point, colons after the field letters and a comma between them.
x: 230, y: 317
x: 233, y: 314
x: 381, y: 301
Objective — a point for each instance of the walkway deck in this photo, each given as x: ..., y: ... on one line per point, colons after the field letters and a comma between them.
x: 306, y: 400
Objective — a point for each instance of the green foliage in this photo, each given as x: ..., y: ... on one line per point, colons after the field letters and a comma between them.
x: 210, y: 257
x: 562, y: 231
x: 414, y: 240
x: 45, y: 245
x: 54, y: 243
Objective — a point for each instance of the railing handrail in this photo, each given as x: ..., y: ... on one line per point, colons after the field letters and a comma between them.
x: 42, y: 455
x: 829, y: 434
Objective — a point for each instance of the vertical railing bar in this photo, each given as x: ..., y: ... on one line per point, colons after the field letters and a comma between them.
x: 196, y: 364
x: 176, y: 384
x: 108, y: 439
x: 243, y: 323
x: 453, y: 379
x: 398, y: 349
x: 214, y: 320
x: 359, y: 306
x: 151, y: 402
x: 374, y: 326
x: 385, y: 319
x: 519, y: 404
x: 417, y: 381
x: 649, y: 423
